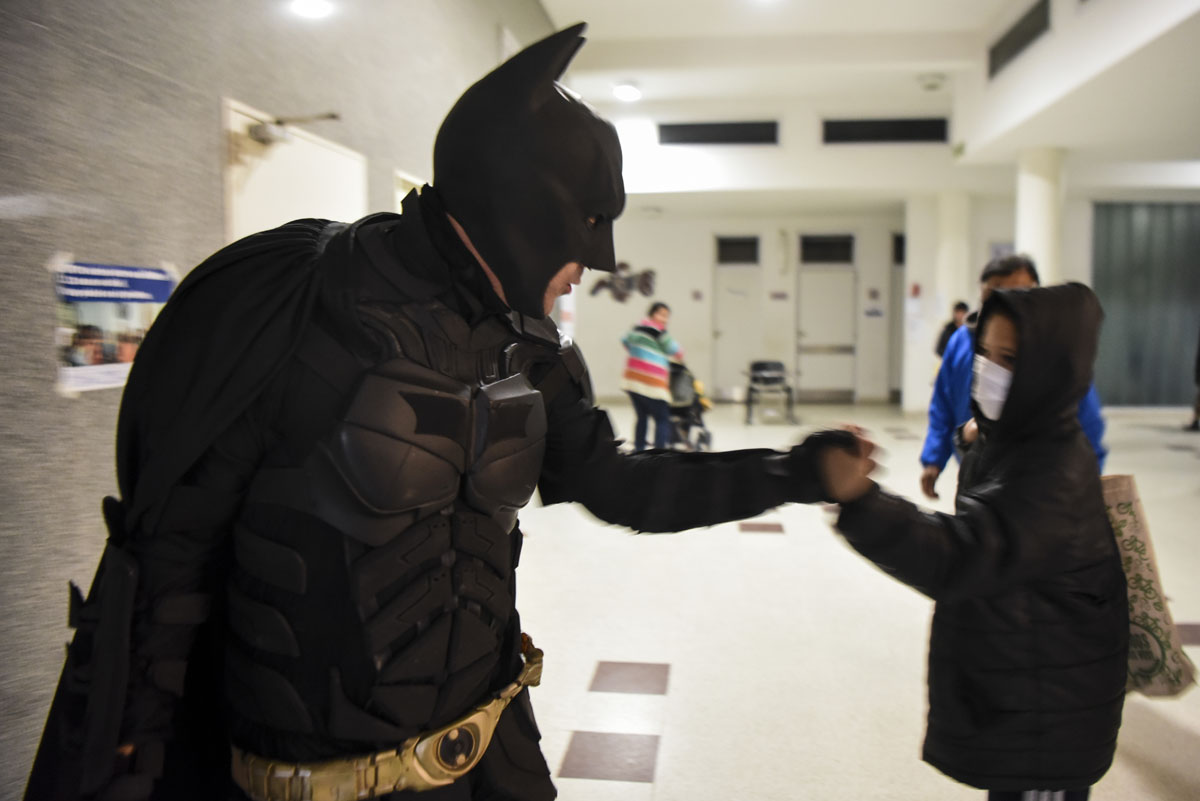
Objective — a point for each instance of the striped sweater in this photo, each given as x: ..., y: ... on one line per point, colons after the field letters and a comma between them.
x: 647, y: 370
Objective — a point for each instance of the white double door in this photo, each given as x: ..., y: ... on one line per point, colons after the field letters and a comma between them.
x: 824, y: 357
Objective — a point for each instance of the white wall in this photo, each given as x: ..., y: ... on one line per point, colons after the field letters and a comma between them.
x: 682, y: 251
x: 801, y: 161
x: 1076, y: 240
x: 922, y: 311
x: 947, y: 247
x: 993, y: 222
x: 1085, y: 39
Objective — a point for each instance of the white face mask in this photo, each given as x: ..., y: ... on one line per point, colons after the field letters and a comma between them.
x: 990, y: 388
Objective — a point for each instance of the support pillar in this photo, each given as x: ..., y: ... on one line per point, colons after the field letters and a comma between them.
x: 955, y: 271
x: 1039, y: 210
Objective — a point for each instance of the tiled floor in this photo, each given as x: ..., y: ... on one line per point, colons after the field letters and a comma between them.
x: 639, y: 678
x: 755, y: 527
x: 612, y: 757
x: 796, y: 669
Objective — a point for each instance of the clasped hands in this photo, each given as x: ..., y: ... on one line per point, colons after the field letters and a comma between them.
x: 846, y: 472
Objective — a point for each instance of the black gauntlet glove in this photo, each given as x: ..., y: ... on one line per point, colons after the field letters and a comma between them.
x: 801, y: 465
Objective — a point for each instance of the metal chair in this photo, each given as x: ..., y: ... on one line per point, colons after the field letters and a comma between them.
x: 769, y: 378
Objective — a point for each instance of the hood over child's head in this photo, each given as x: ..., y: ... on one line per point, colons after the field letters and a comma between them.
x: 1057, y: 331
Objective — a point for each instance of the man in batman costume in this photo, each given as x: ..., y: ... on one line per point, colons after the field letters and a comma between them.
x: 308, y: 590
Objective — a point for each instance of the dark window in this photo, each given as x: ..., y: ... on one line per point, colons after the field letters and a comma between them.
x: 897, y: 248
x: 923, y: 129
x: 719, y: 133
x: 737, y: 250
x: 1033, y: 24
x: 827, y: 249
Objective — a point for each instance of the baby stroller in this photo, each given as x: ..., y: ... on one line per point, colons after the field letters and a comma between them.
x: 688, y: 405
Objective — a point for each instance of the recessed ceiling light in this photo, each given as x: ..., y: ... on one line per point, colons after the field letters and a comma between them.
x: 627, y: 91
x: 312, y: 9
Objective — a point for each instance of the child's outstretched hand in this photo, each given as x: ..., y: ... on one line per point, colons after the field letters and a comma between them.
x: 846, y: 474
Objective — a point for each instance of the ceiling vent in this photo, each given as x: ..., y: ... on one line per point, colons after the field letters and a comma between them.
x: 737, y: 250
x: 719, y: 133
x: 921, y: 129
x: 829, y: 249
x: 1033, y: 24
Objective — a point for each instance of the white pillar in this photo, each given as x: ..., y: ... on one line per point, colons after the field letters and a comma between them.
x: 937, y: 262
x: 953, y: 250
x: 920, y: 302
x: 1039, y: 210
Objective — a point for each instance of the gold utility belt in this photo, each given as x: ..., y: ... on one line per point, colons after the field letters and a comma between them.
x: 423, y: 762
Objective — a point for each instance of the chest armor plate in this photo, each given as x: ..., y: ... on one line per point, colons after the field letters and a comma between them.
x: 422, y: 476
x: 413, y: 441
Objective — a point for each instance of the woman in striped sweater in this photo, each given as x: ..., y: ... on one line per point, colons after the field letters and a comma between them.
x: 648, y: 372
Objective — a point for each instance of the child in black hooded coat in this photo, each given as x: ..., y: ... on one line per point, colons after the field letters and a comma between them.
x: 1027, y: 653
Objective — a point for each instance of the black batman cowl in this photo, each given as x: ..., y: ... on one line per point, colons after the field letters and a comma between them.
x: 531, y: 173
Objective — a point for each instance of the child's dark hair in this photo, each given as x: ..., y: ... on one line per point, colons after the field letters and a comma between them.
x: 1007, y: 265
x: 961, y: 306
x: 655, y: 306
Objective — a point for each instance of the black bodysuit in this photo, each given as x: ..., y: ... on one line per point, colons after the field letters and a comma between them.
x: 337, y: 572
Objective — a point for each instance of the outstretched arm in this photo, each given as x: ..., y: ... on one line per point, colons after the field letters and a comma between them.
x: 665, y: 490
x: 942, y: 556
x: 971, y: 553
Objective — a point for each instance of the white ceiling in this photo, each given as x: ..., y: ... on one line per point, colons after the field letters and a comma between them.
x: 708, y: 60
x: 763, y: 203
x: 682, y: 19
x: 1146, y: 106
x: 710, y: 50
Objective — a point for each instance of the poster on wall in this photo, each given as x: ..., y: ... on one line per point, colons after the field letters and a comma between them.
x: 102, y: 314
x: 998, y: 250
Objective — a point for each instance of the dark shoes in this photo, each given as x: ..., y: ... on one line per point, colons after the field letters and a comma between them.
x: 1193, y: 426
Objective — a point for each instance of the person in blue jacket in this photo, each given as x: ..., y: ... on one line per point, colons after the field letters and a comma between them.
x: 950, y: 406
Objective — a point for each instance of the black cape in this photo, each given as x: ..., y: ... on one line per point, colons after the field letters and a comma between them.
x: 229, y: 326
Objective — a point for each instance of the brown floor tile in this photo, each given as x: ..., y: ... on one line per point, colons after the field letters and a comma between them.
x: 643, y: 678
x: 613, y: 757
x: 761, y: 528
x: 1189, y: 633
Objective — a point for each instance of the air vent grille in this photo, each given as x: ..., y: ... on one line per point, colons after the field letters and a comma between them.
x: 835, y: 249
x: 737, y: 250
x: 917, y: 129
x: 1033, y: 24
x: 719, y: 133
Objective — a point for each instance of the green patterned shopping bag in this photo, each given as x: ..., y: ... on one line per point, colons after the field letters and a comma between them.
x: 1157, y: 663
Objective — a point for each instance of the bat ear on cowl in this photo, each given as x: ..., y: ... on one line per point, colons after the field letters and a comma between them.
x: 535, y: 70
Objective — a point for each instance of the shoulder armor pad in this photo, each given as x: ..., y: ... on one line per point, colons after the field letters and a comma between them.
x: 544, y: 329
x: 572, y: 359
